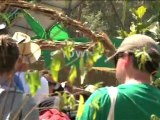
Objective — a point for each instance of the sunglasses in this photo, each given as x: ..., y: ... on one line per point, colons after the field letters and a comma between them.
x: 120, y: 55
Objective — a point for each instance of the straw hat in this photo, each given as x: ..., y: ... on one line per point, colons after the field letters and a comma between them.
x: 28, y: 50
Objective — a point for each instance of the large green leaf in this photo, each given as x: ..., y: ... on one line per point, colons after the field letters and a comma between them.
x: 35, y: 25
x: 58, y: 32
x: 56, y: 64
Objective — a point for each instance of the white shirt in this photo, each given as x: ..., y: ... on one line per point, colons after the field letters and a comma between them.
x: 43, y: 91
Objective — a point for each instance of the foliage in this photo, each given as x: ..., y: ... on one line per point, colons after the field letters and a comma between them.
x: 67, y: 100
x: 154, y: 117
x: 95, y: 106
x: 4, y: 17
x: 141, y: 25
x: 72, y: 75
x: 80, y: 107
x: 57, y: 64
x: 142, y: 57
x: 33, y: 79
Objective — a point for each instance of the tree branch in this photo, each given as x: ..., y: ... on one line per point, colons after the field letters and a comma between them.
x: 65, y: 19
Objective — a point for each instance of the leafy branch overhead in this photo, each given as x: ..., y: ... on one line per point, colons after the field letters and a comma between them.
x: 139, y: 25
x: 65, y: 20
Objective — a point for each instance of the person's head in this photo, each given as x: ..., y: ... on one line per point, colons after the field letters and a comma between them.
x: 53, y: 86
x: 9, y: 54
x: 29, y: 52
x: 137, y: 54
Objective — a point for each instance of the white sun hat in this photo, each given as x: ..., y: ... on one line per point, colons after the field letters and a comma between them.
x: 29, y: 51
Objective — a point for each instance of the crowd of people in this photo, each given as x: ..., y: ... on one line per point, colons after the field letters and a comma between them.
x: 137, y: 60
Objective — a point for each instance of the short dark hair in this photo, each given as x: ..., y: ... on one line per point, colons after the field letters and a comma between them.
x: 9, y: 53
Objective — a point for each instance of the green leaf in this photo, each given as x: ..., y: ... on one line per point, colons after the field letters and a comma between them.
x: 83, y: 70
x: 58, y: 32
x: 98, y: 51
x: 83, y: 75
x: 33, y: 79
x: 89, y: 62
x: 95, y: 106
x: 4, y: 16
x: 154, y: 117
x: 141, y: 11
x: 71, y: 101
x: 35, y: 25
x: 133, y: 27
x: 81, y: 62
x: 142, y: 56
x: 68, y: 49
x: 65, y: 99
x: 81, y: 106
x: 98, y: 85
x: 72, y: 74
x: 56, y: 64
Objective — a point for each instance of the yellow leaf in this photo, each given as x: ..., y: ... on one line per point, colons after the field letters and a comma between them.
x: 80, y: 107
x: 73, y: 74
x: 141, y: 11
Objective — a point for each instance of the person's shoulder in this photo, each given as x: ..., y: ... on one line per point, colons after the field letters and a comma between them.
x: 100, y: 93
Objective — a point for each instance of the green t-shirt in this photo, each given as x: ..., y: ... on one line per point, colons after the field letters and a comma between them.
x: 134, y: 102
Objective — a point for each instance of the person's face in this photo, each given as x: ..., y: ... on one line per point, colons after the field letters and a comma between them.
x: 120, y: 61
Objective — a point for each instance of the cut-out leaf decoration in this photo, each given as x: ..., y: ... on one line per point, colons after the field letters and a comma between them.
x: 56, y: 64
x: 98, y: 85
x: 81, y: 62
x: 142, y: 57
x: 35, y: 25
x: 98, y: 51
x: 80, y: 107
x: 89, y: 62
x: 72, y: 74
x: 68, y: 49
x: 58, y: 32
x: 95, y: 105
x: 33, y: 79
x: 65, y: 99
x: 83, y: 70
x: 83, y: 75
x: 141, y: 11
x: 71, y: 101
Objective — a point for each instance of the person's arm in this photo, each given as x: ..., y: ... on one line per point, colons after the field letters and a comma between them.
x: 18, y: 82
x: 97, y: 106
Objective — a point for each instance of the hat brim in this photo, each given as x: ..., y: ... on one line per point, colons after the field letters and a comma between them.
x: 111, y: 57
x: 31, y: 51
x: 20, y: 37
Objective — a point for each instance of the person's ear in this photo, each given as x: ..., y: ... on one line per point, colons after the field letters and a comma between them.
x: 127, y: 60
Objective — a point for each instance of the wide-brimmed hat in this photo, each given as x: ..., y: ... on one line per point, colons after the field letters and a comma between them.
x: 138, y: 42
x: 28, y: 50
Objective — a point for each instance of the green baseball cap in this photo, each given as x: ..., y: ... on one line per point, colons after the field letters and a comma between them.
x: 138, y: 42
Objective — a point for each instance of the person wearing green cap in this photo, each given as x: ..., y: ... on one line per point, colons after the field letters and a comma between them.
x: 137, y: 60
